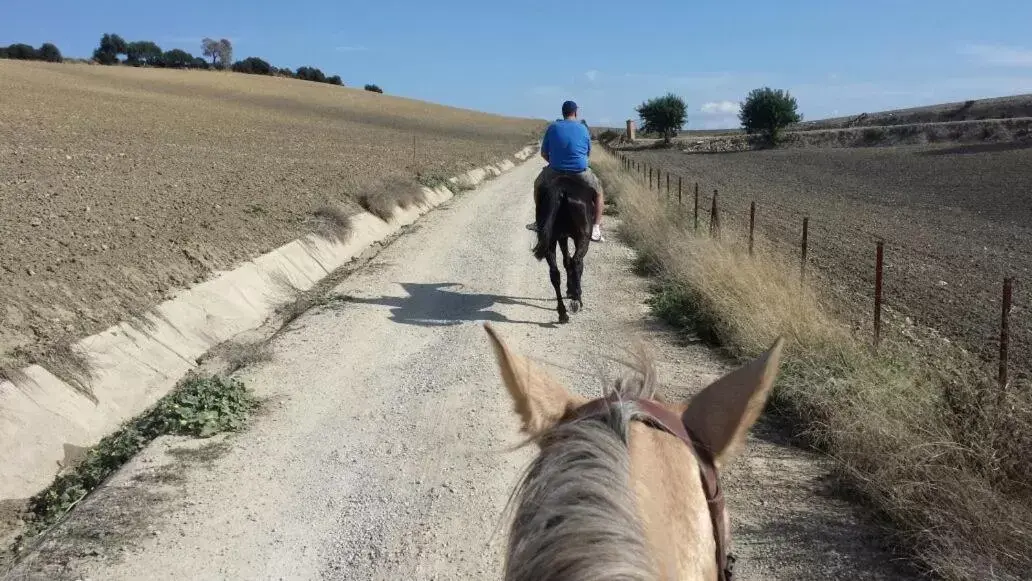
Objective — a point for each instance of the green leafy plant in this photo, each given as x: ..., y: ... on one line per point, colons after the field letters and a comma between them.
x: 200, y: 407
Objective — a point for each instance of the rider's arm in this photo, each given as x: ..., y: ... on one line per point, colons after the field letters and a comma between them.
x: 544, y: 143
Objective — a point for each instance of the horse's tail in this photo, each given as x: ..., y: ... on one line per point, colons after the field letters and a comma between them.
x: 548, y: 210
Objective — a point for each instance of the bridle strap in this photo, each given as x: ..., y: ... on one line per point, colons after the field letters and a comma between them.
x: 663, y: 419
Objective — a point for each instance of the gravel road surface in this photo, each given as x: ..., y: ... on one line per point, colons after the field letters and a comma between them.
x: 383, y: 452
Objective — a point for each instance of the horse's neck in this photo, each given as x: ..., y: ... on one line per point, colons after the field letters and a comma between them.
x: 665, y: 479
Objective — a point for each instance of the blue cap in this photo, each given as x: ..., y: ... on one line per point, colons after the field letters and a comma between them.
x: 569, y: 108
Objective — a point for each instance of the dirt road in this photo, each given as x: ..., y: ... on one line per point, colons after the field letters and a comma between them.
x: 383, y: 450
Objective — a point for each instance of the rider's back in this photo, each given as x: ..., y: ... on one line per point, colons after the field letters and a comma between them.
x: 568, y: 144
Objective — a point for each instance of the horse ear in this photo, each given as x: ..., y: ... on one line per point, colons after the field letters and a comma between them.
x: 721, y: 414
x: 540, y: 400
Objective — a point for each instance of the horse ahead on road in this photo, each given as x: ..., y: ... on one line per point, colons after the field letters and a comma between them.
x: 626, y: 486
x: 564, y: 213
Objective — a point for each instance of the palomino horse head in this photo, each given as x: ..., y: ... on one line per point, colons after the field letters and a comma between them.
x: 617, y: 491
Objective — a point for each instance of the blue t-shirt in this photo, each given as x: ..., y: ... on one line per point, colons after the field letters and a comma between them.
x: 568, y: 144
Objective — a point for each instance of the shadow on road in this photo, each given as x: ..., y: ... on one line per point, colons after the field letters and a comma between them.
x: 434, y: 305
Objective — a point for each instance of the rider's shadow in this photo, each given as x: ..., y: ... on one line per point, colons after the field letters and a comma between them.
x: 433, y: 305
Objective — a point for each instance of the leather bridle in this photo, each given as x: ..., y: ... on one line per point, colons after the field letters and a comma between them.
x: 660, y: 418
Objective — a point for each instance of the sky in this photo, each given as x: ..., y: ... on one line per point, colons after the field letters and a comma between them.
x: 525, y: 58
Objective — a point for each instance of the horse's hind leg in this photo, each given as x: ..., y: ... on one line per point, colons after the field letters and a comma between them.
x: 574, y: 281
x: 553, y: 273
x: 567, y: 265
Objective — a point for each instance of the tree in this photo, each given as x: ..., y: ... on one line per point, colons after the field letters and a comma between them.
x: 225, y: 50
x: 373, y: 89
x: 3, y: 52
x: 663, y: 115
x: 143, y: 52
x: 768, y: 111
x: 23, y: 52
x: 252, y: 65
x: 111, y: 45
x: 50, y: 53
x: 199, y: 63
x: 311, y: 74
x: 177, y: 59
x: 210, y: 48
x: 335, y: 80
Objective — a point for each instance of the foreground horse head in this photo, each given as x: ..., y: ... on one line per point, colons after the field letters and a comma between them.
x: 565, y: 209
x: 625, y: 487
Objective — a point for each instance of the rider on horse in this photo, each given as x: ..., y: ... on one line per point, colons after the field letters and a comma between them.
x: 566, y: 147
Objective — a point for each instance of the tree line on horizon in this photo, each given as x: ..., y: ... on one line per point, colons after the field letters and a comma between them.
x: 114, y: 50
x: 765, y: 111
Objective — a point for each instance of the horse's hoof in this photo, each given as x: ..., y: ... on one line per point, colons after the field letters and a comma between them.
x: 564, y: 318
x: 575, y: 306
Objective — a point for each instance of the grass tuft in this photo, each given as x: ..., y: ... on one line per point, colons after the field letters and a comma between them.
x: 241, y: 355
x: 930, y: 444
x: 333, y: 222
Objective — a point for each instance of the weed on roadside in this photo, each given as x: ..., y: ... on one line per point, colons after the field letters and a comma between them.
x: 200, y: 407
x: 333, y: 222
x: 241, y: 355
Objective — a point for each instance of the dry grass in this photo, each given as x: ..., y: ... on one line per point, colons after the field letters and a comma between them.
x: 926, y: 443
x: 333, y: 222
x: 298, y: 301
x: 244, y: 354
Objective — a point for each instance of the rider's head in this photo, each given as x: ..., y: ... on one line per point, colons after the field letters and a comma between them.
x: 569, y: 110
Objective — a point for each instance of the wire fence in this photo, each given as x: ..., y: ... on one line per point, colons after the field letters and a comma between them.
x: 654, y: 178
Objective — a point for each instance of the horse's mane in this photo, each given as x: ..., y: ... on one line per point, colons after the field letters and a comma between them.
x: 575, y: 515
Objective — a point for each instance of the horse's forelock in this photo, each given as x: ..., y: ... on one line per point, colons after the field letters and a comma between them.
x: 575, y: 515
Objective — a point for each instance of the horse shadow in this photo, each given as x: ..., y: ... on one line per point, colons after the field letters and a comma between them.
x: 434, y: 305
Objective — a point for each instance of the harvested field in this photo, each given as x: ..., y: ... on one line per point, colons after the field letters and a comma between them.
x: 121, y: 185
x: 956, y: 221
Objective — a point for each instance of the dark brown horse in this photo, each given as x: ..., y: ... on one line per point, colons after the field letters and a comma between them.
x: 565, y: 208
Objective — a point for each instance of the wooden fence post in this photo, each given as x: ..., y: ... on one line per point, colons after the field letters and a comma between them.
x: 802, y: 260
x: 679, y: 203
x: 1008, y: 284
x: 696, y: 206
x: 714, y: 224
x: 752, y: 225
x: 878, y: 262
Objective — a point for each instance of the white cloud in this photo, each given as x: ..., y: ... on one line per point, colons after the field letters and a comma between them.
x: 592, y: 75
x: 351, y: 49
x: 998, y: 55
x: 720, y: 108
x: 716, y: 123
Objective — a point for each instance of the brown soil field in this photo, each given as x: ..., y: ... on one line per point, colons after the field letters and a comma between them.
x: 120, y: 185
x: 955, y: 219
x: 973, y: 110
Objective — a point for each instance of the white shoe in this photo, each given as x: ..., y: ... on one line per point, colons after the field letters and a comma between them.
x: 596, y: 234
